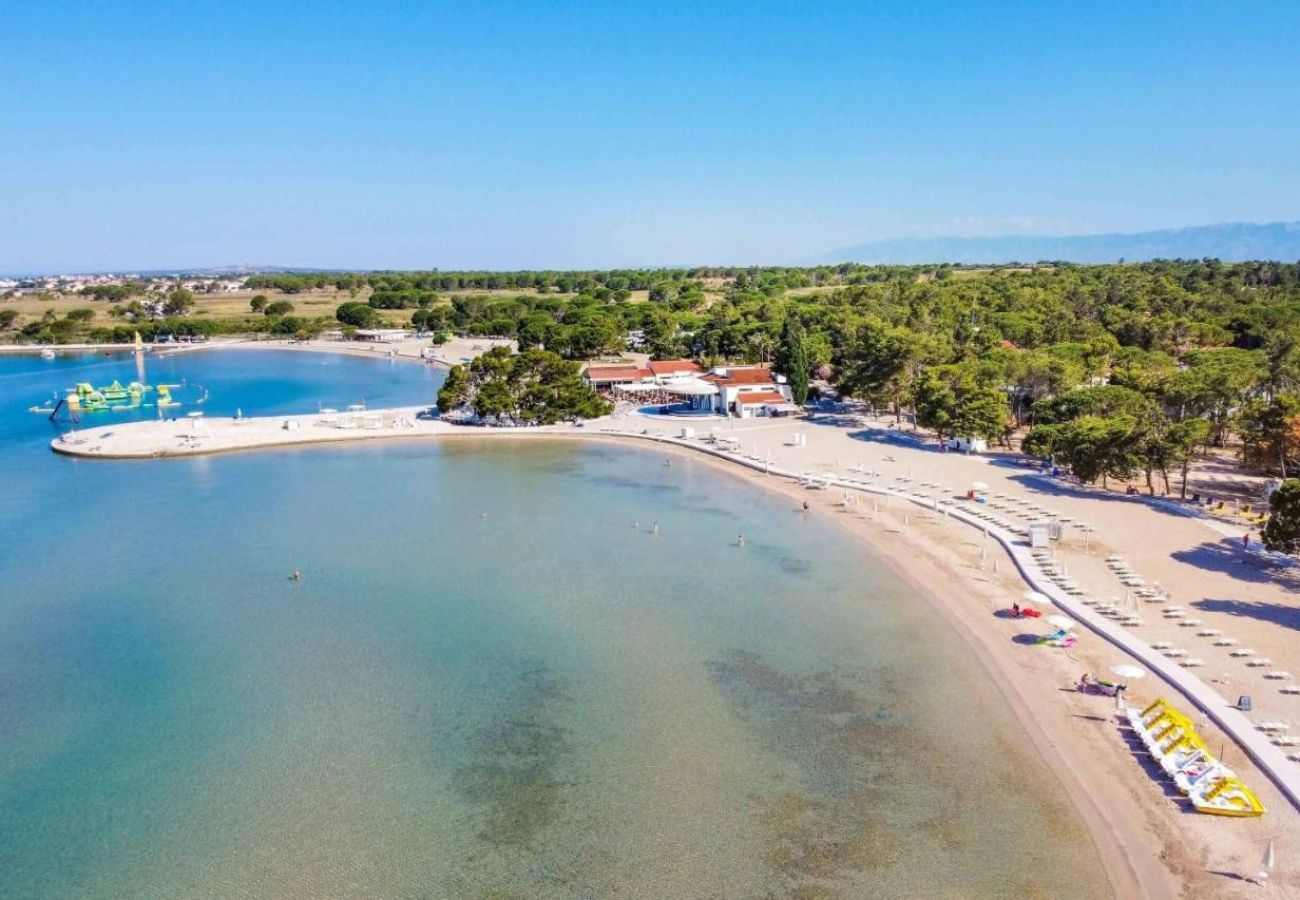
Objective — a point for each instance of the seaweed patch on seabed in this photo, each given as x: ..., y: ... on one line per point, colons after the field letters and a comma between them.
x: 821, y: 821
x: 515, y: 778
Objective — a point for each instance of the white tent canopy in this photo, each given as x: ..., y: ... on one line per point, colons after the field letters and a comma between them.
x: 694, y: 388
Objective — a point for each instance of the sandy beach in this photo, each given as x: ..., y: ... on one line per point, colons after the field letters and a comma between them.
x: 1152, y: 845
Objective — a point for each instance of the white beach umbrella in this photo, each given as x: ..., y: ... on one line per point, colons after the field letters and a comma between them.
x: 1124, y: 670
x: 979, y: 486
x: 1262, y: 878
x: 1061, y: 622
x: 1035, y: 597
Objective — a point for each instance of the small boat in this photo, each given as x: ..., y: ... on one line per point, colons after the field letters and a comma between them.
x: 1172, y: 740
x: 1226, y: 797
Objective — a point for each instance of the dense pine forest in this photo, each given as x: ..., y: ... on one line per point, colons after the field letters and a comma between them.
x: 1115, y: 370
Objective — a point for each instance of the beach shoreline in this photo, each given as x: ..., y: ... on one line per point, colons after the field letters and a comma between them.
x: 1119, y: 802
x: 1120, y: 833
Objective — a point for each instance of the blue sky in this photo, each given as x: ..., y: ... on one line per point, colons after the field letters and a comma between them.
x: 529, y: 135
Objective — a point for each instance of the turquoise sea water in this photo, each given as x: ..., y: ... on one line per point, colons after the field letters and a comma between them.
x: 545, y: 701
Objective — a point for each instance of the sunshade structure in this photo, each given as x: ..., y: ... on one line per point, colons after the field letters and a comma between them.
x: 1036, y: 597
x: 1061, y: 622
x: 1125, y: 670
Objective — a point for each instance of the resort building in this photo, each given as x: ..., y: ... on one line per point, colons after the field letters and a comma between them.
x: 750, y: 391
x: 669, y: 370
x: 607, y: 378
x: 682, y: 386
x: 382, y: 335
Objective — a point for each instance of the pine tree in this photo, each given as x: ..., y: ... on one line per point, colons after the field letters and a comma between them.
x: 1282, y: 532
x: 792, y: 360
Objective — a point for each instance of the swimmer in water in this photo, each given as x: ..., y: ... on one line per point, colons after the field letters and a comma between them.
x: 655, y: 529
x: 297, y: 576
x: 740, y: 540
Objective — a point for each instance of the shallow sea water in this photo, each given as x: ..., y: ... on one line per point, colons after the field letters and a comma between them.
x: 543, y: 701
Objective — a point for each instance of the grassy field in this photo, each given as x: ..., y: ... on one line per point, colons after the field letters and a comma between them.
x: 234, y: 305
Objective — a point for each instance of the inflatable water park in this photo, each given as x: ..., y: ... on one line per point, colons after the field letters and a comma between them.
x: 85, y: 397
x: 88, y: 398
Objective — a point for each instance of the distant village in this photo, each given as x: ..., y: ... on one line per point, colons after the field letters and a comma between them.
x: 70, y: 285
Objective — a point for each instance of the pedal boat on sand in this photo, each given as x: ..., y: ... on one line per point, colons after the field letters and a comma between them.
x: 1171, y: 738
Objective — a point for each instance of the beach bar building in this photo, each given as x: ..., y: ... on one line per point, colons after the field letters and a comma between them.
x: 606, y: 378
x: 382, y: 335
x: 744, y: 391
x: 751, y: 391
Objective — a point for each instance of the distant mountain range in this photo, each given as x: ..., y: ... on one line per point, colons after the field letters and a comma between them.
x: 1230, y: 242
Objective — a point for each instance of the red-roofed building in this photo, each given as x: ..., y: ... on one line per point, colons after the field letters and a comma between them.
x: 664, y: 369
x: 760, y: 398
x: 749, y: 391
x: 607, y: 377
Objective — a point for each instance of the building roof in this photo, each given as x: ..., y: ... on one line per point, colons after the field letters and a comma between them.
x: 760, y: 397
x: 616, y: 373
x: 673, y: 366
x: 743, y: 375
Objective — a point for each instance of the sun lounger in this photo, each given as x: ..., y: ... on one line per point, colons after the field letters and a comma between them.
x: 1226, y: 642
x: 1279, y: 676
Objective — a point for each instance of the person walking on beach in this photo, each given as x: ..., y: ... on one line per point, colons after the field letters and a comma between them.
x: 740, y: 540
x: 655, y: 529
x: 805, y: 506
x: 1245, y: 541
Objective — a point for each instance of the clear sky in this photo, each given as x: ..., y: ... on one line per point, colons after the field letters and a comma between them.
x: 529, y: 135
